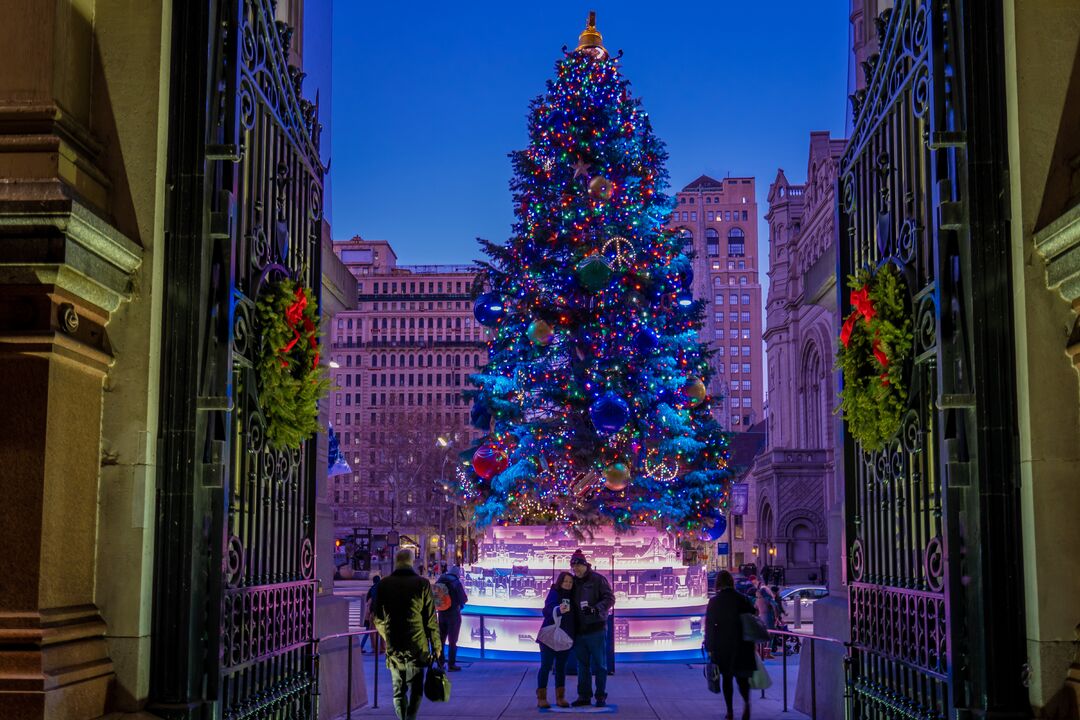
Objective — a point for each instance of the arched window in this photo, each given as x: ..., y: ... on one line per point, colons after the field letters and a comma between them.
x: 736, y: 240
x: 811, y: 391
x: 393, y: 361
x: 438, y: 361
x: 712, y: 242
x: 467, y: 359
x: 476, y: 360
x: 802, y: 544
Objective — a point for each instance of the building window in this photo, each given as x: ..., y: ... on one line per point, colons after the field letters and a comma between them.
x: 727, y: 216
x: 742, y: 279
x: 746, y: 333
x: 720, y: 348
x: 746, y: 367
x: 745, y: 384
x: 710, y: 216
x: 734, y: 300
x: 745, y: 299
x: 744, y: 213
x: 718, y: 316
x: 746, y: 317
x: 693, y: 215
x: 736, y: 243
x: 712, y: 242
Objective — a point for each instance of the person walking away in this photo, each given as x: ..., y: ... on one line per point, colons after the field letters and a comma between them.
x: 368, y: 603
x: 404, y: 614
x: 732, y: 655
x: 556, y: 605
x: 592, y: 601
x: 450, y: 617
x: 766, y: 609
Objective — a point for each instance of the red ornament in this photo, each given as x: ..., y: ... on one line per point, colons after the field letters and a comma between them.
x: 489, y: 460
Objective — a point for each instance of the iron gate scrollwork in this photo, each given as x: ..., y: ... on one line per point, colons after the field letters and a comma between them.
x: 246, y: 212
x: 917, y: 554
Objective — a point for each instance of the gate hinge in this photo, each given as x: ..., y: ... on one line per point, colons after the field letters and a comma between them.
x: 211, y: 403
x: 947, y: 139
x: 221, y: 221
x: 956, y: 402
x: 950, y: 215
x: 230, y: 152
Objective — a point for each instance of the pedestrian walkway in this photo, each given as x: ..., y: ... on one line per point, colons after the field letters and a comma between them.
x: 489, y: 690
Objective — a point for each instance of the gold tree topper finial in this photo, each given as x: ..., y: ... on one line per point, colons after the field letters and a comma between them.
x: 590, y: 39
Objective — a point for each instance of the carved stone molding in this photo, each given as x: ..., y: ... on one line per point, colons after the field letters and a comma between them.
x: 1059, y: 244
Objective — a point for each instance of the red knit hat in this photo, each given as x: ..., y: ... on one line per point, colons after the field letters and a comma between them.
x: 578, y: 558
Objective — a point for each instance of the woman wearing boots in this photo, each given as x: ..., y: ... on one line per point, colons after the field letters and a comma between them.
x: 556, y: 605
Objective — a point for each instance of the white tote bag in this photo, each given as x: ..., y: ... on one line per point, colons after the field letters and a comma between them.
x: 554, y: 636
x: 760, y: 680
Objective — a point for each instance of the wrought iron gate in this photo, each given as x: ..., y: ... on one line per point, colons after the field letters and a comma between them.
x: 234, y: 577
x: 932, y: 528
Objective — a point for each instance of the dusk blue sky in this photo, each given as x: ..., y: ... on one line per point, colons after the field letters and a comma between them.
x: 428, y: 99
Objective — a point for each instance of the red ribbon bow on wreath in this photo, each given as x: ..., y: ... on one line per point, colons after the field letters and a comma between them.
x: 294, y: 314
x: 864, y: 308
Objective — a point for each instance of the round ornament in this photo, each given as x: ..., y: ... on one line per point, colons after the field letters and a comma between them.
x: 540, y: 332
x: 600, y: 188
x: 694, y: 390
x: 616, y: 476
x: 609, y: 413
x: 646, y: 340
x: 594, y: 273
x: 489, y: 309
x: 717, y: 530
x: 489, y: 460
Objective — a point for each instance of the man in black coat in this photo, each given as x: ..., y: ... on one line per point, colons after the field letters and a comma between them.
x: 450, y: 619
x: 592, y: 601
x: 404, y: 615
x: 724, y: 640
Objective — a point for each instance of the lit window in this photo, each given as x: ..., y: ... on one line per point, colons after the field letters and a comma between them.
x: 745, y: 299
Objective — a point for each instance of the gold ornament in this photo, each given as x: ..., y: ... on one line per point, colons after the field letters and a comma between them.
x: 620, y: 250
x: 590, y: 40
x: 695, y: 390
x: 600, y: 188
x: 616, y: 476
x: 540, y: 332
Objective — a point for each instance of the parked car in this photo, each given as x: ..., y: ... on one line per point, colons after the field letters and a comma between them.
x: 805, y: 595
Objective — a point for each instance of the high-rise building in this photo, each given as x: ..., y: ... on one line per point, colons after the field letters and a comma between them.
x: 718, y: 219
x: 401, y: 362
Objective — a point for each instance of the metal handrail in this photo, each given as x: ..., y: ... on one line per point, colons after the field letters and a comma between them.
x: 348, y: 681
x: 813, y: 667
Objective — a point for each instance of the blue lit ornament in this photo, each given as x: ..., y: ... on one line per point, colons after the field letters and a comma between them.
x: 489, y: 309
x: 646, y: 340
x: 717, y: 530
x: 609, y: 413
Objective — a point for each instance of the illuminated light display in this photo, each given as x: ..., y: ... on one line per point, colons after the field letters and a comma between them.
x: 659, y: 602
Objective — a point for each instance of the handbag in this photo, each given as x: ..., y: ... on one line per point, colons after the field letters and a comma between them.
x: 436, y: 684
x: 554, y: 636
x: 711, y: 671
x: 753, y: 630
x: 760, y: 680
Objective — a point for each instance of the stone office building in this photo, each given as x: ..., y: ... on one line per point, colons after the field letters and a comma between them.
x: 402, y: 360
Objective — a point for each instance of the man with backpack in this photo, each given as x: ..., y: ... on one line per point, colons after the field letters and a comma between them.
x: 450, y: 597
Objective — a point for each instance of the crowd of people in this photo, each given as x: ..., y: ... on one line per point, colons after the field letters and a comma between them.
x: 415, y: 618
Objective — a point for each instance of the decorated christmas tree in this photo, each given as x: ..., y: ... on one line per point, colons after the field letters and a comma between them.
x: 594, y: 400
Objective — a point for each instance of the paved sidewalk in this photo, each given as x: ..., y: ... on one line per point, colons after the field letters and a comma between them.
x: 490, y: 690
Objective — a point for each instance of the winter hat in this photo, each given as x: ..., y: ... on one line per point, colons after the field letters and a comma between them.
x: 456, y: 570
x: 578, y: 558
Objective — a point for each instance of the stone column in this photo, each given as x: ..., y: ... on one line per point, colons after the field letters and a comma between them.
x: 64, y: 269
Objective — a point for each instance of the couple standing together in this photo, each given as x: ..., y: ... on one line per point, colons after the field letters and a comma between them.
x: 579, y: 602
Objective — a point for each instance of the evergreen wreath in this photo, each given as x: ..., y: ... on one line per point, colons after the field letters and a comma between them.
x: 875, y: 342
x: 291, y: 381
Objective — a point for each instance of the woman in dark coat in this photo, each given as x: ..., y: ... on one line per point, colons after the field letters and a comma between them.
x: 724, y: 640
x: 557, y: 604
